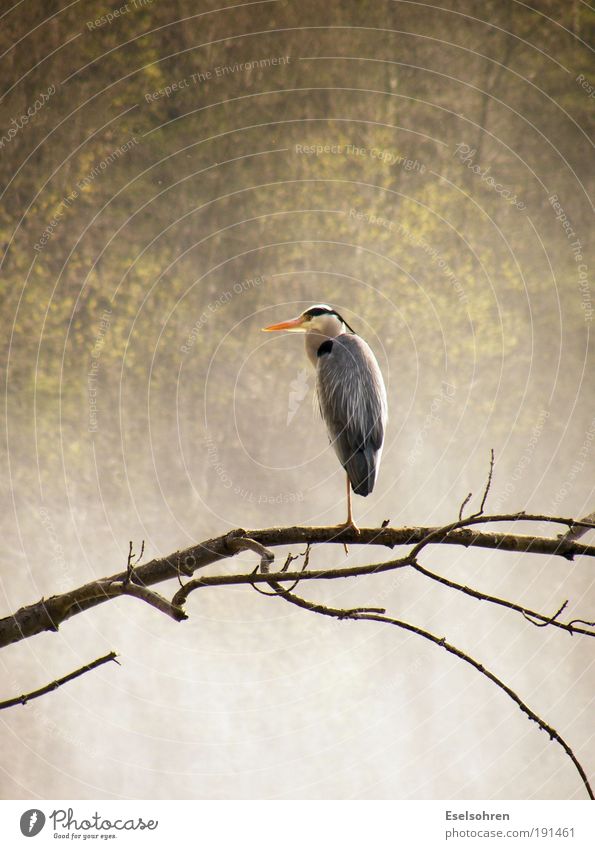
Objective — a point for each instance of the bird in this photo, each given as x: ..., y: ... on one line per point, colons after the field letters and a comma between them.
x: 351, y: 394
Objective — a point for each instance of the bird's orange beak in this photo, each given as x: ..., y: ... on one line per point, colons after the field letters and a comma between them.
x: 292, y: 324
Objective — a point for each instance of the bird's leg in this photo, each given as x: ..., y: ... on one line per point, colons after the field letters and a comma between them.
x: 349, y: 524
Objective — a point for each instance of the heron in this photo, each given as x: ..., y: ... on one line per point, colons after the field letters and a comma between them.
x: 350, y: 391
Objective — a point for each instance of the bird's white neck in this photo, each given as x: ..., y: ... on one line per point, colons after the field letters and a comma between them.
x: 323, y: 327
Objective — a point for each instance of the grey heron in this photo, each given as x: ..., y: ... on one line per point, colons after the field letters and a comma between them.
x: 350, y: 391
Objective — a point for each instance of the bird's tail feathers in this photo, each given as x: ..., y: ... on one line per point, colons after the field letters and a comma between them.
x: 361, y: 469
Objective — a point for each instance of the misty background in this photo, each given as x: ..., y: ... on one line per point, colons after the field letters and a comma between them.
x: 177, y: 176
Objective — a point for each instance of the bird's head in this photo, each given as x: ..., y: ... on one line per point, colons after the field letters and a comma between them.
x: 320, y: 319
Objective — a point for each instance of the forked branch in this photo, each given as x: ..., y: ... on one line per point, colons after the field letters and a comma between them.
x: 135, y: 580
x: 371, y: 616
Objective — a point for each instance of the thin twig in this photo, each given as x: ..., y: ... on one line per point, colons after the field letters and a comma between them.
x: 150, y: 597
x: 292, y: 557
x: 130, y: 564
x: 247, y: 544
x: 289, y: 560
x: 485, y: 493
x: 466, y: 501
x: 282, y: 589
x: 573, y: 622
x: 580, y: 527
x: 527, y: 612
x: 113, y: 589
x: 35, y: 694
x: 487, y: 486
x: 552, y: 619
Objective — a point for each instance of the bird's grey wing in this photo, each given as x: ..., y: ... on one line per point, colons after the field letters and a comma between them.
x: 352, y: 400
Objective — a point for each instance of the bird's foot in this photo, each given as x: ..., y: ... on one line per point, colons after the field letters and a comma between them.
x: 349, y: 525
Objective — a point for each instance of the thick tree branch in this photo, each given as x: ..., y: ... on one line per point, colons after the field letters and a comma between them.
x: 49, y: 614
x: 49, y: 688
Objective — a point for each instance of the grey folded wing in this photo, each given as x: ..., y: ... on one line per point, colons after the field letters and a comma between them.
x: 352, y: 400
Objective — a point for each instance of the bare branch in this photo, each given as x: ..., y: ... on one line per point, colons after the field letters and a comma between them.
x: 144, y: 594
x: 49, y: 688
x: 580, y: 527
x: 281, y: 576
x: 573, y: 622
x: 441, y: 641
x: 551, y: 621
x: 466, y: 501
x: 485, y: 493
x: 455, y: 533
x: 488, y: 485
x: 529, y: 614
x: 133, y: 560
x: 246, y: 544
x: 290, y: 559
